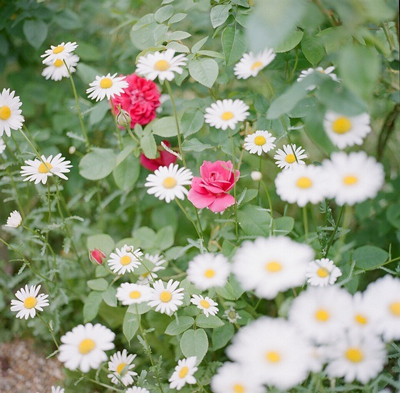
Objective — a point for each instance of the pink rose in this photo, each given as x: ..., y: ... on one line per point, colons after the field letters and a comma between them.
x: 211, y: 189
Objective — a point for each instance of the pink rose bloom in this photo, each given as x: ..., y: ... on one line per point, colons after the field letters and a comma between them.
x: 211, y: 189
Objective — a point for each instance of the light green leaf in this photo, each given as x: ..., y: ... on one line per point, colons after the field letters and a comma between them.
x: 166, y: 127
x: 233, y: 45
x: 369, y: 257
x: 179, y: 325
x: 127, y: 172
x: 68, y: 20
x: 130, y: 326
x: 211, y: 53
x: 195, y: 145
x: 194, y: 343
x: 192, y: 121
x: 165, y: 238
x: 222, y: 335
x: 290, y: 41
x: 35, y: 32
x: 87, y: 73
x: 179, y: 35
x: 91, y: 306
x: 164, y: 13
x: 149, y: 146
x: 97, y: 164
x: 198, y: 45
x: 313, y: 48
x: 139, y: 309
x: 219, y: 14
x: 254, y: 220
x: 109, y: 297
x: 204, y: 71
x: 210, y: 322
x: 283, y: 225
x: 177, y: 47
x: 102, y: 242
x: 98, y: 112
x: 177, y: 18
x: 99, y: 284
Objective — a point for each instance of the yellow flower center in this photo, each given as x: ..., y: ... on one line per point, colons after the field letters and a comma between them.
x: 135, y: 295
x: 45, y: 168
x: 350, y: 180
x: 395, y: 309
x: 169, y: 182
x: 304, y: 182
x: 341, y: 125
x: 87, y: 345
x: 183, y: 372
x: 106, y: 83
x: 256, y: 65
x: 322, y: 71
x: 165, y: 296
x: 162, y: 65
x: 58, y: 63
x: 273, y: 357
x: 125, y: 260
x: 259, y: 140
x: 322, y: 315
x: 5, y: 112
x: 361, y: 319
x: 323, y: 272
x: 354, y: 355
x: 273, y: 267
x: 209, y: 273
x: 58, y: 49
x: 227, y: 116
x: 239, y: 388
x: 121, y: 367
x: 30, y: 302
x: 290, y: 158
x: 204, y: 303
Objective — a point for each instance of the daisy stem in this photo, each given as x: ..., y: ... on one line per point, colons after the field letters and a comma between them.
x: 49, y: 328
x: 200, y: 227
x: 334, y: 231
x: 270, y: 206
x: 346, y: 223
x: 176, y: 121
x: 16, y: 144
x: 104, y: 385
x: 30, y: 136
x: 234, y: 186
x: 305, y: 222
x: 190, y: 219
x: 121, y: 145
x: 33, y: 147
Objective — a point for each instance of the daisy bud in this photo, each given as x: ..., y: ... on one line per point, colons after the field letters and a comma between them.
x: 256, y: 175
x: 96, y: 256
x: 123, y: 118
x: 72, y: 150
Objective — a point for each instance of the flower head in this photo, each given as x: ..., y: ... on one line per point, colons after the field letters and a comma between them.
x: 251, y: 64
x: 259, y: 142
x: 207, y: 305
x: 290, y: 156
x: 322, y: 272
x: 97, y: 257
x: 326, y: 71
x: 60, y: 52
x: 231, y: 315
x: 56, y: 70
x: 125, y: 259
x: 226, y: 114
x: 10, y: 114
x: 129, y: 293
x: 166, y: 299
x: 165, y: 159
x: 156, y: 262
x: 183, y: 373
x: 14, y: 220
x: 121, y: 366
x: 29, y: 301
x: 106, y: 86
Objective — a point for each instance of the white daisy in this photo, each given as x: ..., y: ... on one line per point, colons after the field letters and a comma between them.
x: 29, y: 301
x: 231, y: 315
x: 208, y: 270
x: 57, y: 389
x: 166, y: 299
x: 274, y: 350
x: 353, y: 178
x: 183, y: 373
x: 383, y: 298
x: 259, y: 142
x: 346, y: 131
x: 14, y: 220
x: 363, y: 320
x: 251, y: 64
x: 57, y: 70
x: 326, y: 71
x: 156, y: 265
x: 286, y: 158
x: 301, y: 185
x: 126, y: 259
x: 3, y: 146
x: 121, y: 366
x: 59, y: 52
x: 271, y: 265
x: 356, y: 357
x: 84, y: 347
x: 226, y: 113
x: 10, y: 114
x: 39, y: 170
x: 206, y: 304
x: 161, y: 64
x: 106, y: 86
x: 168, y: 182
x: 321, y: 314
x: 322, y: 272
x: 136, y: 389
x: 129, y: 293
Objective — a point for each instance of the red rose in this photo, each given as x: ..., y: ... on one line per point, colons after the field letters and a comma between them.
x: 165, y: 159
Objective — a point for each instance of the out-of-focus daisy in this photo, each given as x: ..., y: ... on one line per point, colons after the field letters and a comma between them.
x: 57, y: 389
x: 39, y: 170
x: 321, y: 314
x: 326, y: 71
x: 163, y: 65
x: 2, y: 145
x: 274, y: 350
x: 125, y: 259
x: 258, y: 142
x: 322, y: 272
x: 166, y: 299
x: 256, y: 175
x: 59, y: 52
x: 226, y: 114
x: 183, y: 373
x: 231, y: 315
x: 106, y: 86
x: 206, y: 304
x: 168, y: 182
x: 57, y: 69
x: 129, y: 293
x: 121, y: 366
x: 271, y: 265
x: 363, y: 320
x: 14, y: 220
x: 301, y: 185
x: 29, y: 301
x: 356, y: 357
x: 208, y: 270
x: 156, y: 265
x: 10, y: 114
x: 346, y: 131
x: 353, y: 178
x: 136, y: 389
x: 286, y: 158
x: 251, y: 64
x: 84, y: 347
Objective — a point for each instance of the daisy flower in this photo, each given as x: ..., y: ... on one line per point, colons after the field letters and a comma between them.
x: 271, y: 265
x: 156, y: 265
x: 129, y: 293
x: 136, y: 389
x: 10, y: 114
x: 183, y: 373
x: 356, y: 357
x: 251, y: 64
x: 322, y: 272
x: 166, y: 299
x: 258, y: 142
x: 57, y: 389
x: 321, y: 314
x: 29, y: 301
x: 125, y: 259
x: 57, y: 70
x: 301, y: 185
x: 226, y: 113
x: 208, y: 270
x: 207, y: 305
x: 168, y: 182
x: 353, y: 178
x: 39, y: 170
x: 106, y: 86
x: 3, y: 146
x: 161, y: 64
x: 59, y: 52
x: 286, y: 158
x: 326, y: 71
x: 14, y: 220
x: 120, y: 365
x: 231, y: 315
x: 363, y: 320
x: 84, y: 347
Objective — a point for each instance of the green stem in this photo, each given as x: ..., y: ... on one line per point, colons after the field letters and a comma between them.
x: 346, y: 224
x: 270, y: 206
x: 234, y: 186
x: 104, y: 385
x: 259, y: 183
x: 331, y: 239
x: 49, y: 328
x: 189, y: 218
x: 121, y: 145
x: 305, y: 222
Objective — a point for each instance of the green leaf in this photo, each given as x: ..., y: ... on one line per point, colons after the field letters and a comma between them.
x: 102, y: 242
x: 195, y: 145
x: 254, y: 220
x: 210, y: 322
x: 166, y: 127
x: 290, y: 41
x: 179, y: 35
x: 149, y: 145
x: 87, y: 73
x: 139, y: 309
x: 179, y: 325
x: 127, y: 171
x: 313, y: 48
x: 194, y: 343
x: 283, y: 225
x: 164, y: 13
x: 101, y: 271
x: 198, y: 45
x: 219, y: 14
x: 99, y: 284
x: 222, y: 335
x: 68, y: 20
x: 91, y: 306
x: 204, y: 71
x: 142, y: 33
x: 130, y: 326
x: 109, y: 297
x: 177, y: 18
x: 97, y: 164
x: 98, y: 112
x: 233, y: 45
x: 231, y: 291
x: 369, y: 257
x: 165, y: 238
x: 35, y: 32
x: 192, y: 121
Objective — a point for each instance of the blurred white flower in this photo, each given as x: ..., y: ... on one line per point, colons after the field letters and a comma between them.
x: 14, y: 220
x: 10, y: 114
x: 251, y: 64
x: 226, y: 114
x: 322, y: 272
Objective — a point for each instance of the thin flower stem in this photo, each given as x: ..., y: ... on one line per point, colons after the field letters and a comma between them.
x: 121, y: 145
x: 346, y: 224
x: 331, y: 239
x: 200, y: 227
x: 259, y: 183
x: 305, y: 222
x: 189, y: 218
x: 33, y: 147
x: 234, y: 186
x: 49, y: 328
x: 104, y: 385
x: 270, y: 207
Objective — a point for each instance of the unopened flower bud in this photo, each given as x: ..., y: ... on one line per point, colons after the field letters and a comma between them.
x: 72, y: 150
x: 256, y: 175
x: 97, y: 257
x: 123, y: 118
